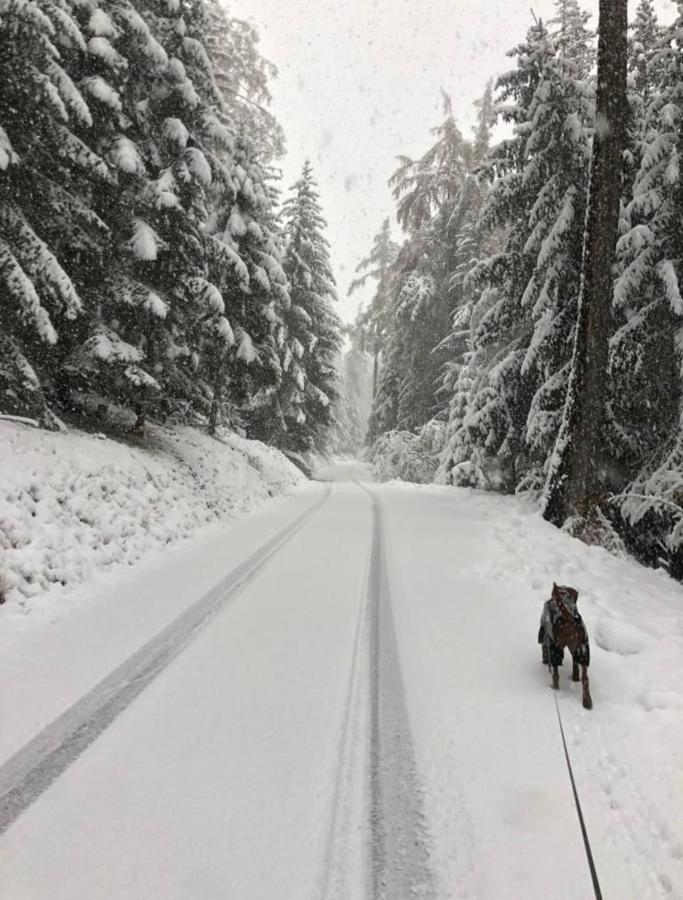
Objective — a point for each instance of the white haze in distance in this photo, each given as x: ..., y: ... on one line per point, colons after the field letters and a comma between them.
x: 359, y: 83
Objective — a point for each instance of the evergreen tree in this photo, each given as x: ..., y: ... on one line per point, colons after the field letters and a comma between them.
x: 438, y: 197
x: 352, y: 408
x: 42, y: 163
x: 154, y: 91
x: 646, y: 350
x: 312, y: 328
x: 646, y: 35
x: 522, y: 326
x: 123, y: 170
x: 243, y: 77
x: 372, y: 323
x: 574, y: 41
x: 576, y: 479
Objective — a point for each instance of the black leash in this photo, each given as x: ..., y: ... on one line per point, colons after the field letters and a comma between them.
x: 584, y: 833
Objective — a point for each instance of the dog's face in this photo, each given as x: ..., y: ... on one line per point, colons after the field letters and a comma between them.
x: 563, y: 592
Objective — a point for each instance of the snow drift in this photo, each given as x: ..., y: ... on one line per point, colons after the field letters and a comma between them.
x: 72, y: 504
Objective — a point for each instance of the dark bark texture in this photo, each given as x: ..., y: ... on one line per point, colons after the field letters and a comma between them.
x: 575, y: 484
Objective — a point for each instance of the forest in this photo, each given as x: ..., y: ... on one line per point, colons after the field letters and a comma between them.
x: 153, y: 266
x: 145, y: 261
x: 473, y: 322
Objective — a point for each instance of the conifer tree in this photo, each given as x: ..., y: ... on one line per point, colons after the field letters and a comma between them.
x: 574, y: 41
x: 646, y: 35
x: 522, y: 325
x: 576, y: 481
x: 123, y: 170
x: 645, y: 353
x: 641, y: 363
x: 437, y: 199
x: 154, y: 92
x: 312, y: 328
x: 372, y: 323
x: 352, y: 408
x: 42, y: 162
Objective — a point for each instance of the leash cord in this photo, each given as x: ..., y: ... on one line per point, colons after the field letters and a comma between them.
x: 584, y: 833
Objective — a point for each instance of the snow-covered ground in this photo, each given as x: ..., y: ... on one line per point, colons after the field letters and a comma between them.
x: 469, y: 572
x: 74, y: 504
x: 243, y: 770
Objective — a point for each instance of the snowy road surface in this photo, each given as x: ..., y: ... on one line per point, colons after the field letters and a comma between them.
x: 367, y: 718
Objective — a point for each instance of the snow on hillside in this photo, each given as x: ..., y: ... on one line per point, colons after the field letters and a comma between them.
x: 73, y: 504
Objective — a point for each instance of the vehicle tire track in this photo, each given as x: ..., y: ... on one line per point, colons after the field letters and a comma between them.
x: 399, y: 847
x: 31, y: 770
x: 347, y: 848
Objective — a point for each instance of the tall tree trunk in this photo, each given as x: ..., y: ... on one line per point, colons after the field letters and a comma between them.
x: 216, y: 400
x: 375, y: 363
x: 575, y: 484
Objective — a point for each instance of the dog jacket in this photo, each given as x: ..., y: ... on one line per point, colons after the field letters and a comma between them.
x: 551, y: 616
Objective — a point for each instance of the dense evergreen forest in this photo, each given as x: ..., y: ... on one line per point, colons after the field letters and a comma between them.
x: 145, y: 262
x: 473, y: 322
x: 149, y: 264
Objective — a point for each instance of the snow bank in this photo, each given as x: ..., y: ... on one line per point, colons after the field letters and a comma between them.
x: 74, y: 504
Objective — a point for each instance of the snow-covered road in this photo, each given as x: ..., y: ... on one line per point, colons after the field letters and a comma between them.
x: 368, y: 718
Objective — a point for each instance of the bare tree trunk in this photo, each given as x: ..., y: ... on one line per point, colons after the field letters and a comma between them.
x: 213, y: 416
x: 575, y: 484
x: 138, y: 428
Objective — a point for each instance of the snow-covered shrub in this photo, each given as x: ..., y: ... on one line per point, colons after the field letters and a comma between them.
x: 408, y: 456
x: 651, y: 509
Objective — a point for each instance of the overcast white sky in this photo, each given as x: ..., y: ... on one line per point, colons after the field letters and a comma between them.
x: 359, y: 82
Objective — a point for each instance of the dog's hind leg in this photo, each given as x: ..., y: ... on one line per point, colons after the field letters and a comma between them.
x: 587, y: 699
x: 556, y: 679
x: 575, y: 670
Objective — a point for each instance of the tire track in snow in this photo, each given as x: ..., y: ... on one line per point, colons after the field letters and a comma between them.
x: 346, y: 858
x: 31, y: 770
x: 399, y: 853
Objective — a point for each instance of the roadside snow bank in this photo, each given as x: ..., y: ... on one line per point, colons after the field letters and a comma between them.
x: 74, y: 504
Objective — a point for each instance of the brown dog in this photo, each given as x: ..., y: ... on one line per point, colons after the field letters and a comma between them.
x: 562, y: 626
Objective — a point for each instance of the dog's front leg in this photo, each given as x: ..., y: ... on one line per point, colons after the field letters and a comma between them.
x: 556, y: 679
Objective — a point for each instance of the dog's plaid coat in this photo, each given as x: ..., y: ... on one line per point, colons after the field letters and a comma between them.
x: 551, y: 616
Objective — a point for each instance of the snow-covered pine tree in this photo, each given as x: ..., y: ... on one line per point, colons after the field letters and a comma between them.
x: 372, y: 321
x: 245, y: 253
x: 576, y: 484
x: 245, y: 244
x: 437, y: 197
x: 636, y: 424
x: 153, y: 94
x: 645, y: 38
x: 41, y: 164
x: 646, y: 350
x: 313, y: 328
x: 468, y: 242
x: 644, y: 73
x: 352, y: 407
x: 574, y: 41
x: 522, y: 326
x: 243, y: 77
x: 633, y: 433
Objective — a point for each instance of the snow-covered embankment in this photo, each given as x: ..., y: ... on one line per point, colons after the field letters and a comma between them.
x: 74, y: 504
